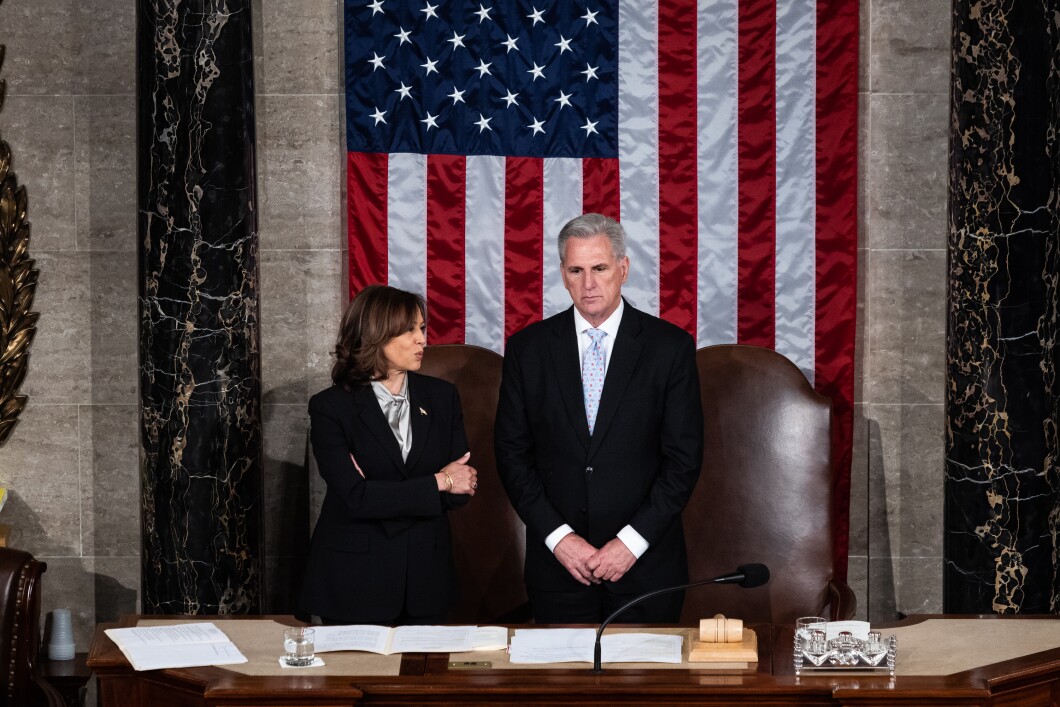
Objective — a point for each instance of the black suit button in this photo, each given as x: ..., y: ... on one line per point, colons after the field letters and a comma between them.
x: 582, y: 511
x: 588, y: 470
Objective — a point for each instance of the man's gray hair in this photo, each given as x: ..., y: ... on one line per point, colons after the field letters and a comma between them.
x: 589, y: 225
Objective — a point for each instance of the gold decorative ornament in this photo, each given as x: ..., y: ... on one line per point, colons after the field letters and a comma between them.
x: 18, y: 282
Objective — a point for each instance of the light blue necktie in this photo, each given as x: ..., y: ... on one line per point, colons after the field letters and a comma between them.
x: 593, y: 375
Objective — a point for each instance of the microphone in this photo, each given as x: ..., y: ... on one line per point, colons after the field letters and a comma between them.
x: 747, y: 576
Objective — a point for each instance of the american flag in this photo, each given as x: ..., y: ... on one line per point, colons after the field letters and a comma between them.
x: 722, y: 133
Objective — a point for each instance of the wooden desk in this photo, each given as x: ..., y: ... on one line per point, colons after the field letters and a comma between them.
x: 426, y: 679
x: 68, y: 677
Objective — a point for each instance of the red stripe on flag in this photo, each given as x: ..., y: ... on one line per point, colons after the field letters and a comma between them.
x: 366, y: 191
x: 446, y: 187
x: 757, y: 169
x: 600, y: 192
x: 837, y: 240
x: 678, y: 212
x: 524, y: 218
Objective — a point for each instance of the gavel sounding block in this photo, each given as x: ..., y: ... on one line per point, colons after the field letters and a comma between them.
x: 723, y: 640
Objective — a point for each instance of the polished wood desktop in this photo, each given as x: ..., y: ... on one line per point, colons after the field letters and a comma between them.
x: 427, y: 679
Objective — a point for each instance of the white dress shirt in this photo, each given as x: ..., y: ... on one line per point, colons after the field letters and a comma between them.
x: 633, y: 540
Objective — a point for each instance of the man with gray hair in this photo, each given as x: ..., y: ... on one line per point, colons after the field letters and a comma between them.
x: 599, y: 441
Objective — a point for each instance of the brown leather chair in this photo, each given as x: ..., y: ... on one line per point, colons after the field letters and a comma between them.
x: 488, y: 536
x: 20, y: 580
x: 765, y: 492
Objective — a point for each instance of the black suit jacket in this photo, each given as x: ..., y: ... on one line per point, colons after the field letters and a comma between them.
x: 383, y: 540
x: 640, y: 464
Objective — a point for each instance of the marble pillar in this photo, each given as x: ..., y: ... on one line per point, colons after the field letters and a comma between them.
x: 200, y: 369
x: 1002, y: 479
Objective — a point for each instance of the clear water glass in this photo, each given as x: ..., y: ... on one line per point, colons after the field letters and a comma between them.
x: 298, y: 648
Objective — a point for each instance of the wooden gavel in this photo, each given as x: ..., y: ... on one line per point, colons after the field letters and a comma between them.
x: 720, y: 630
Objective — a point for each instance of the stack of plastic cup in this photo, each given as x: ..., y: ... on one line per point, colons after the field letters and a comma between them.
x: 61, y: 640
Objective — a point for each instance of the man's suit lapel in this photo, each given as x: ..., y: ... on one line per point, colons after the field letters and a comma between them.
x: 420, y: 419
x: 371, y: 416
x: 624, y: 357
x: 569, y: 375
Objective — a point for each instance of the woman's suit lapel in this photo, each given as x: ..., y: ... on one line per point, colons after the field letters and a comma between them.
x: 421, y: 418
x: 369, y: 416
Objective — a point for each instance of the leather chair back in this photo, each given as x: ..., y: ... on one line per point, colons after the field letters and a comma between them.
x: 20, y: 578
x: 765, y: 492
x: 488, y: 536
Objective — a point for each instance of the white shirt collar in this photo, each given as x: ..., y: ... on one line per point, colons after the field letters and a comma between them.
x: 610, y: 325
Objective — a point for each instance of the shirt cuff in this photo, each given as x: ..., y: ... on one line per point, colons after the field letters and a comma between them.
x: 633, y: 541
x: 556, y: 535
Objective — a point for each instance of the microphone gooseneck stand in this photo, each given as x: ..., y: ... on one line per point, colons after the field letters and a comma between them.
x: 746, y: 576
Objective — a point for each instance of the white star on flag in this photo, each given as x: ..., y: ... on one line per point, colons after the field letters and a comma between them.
x: 537, y: 126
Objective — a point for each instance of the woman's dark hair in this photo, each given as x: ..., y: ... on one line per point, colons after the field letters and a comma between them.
x: 375, y: 316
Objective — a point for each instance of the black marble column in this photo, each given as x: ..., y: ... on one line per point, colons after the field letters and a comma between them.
x: 200, y: 369
x: 1002, y: 477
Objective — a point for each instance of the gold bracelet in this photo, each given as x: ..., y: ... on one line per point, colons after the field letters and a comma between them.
x: 448, y: 483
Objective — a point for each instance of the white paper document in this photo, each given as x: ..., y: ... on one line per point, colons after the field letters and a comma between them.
x: 859, y: 629
x: 575, y: 645
x: 175, y: 646
x: 410, y: 639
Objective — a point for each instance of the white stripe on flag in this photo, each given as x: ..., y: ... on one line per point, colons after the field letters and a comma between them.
x: 638, y: 148
x: 717, y: 171
x: 796, y: 182
x: 484, y: 254
x: 563, y: 201
x: 406, y: 222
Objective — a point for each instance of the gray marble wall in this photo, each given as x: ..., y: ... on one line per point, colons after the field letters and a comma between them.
x: 72, y: 462
x: 897, y: 475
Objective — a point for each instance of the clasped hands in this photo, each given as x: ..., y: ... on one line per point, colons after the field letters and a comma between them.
x: 458, y: 477
x: 591, y: 566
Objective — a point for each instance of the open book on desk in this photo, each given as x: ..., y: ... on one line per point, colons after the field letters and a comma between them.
x: 175, y: 646
x: 575, y: 645
x: 410, y: 639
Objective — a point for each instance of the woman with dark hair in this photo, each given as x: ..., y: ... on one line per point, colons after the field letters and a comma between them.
x: 391, y: 448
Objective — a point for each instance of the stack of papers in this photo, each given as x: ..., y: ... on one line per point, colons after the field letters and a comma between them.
x: 175, y: 646
x: 411, y: 639
x: 575, y: 645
